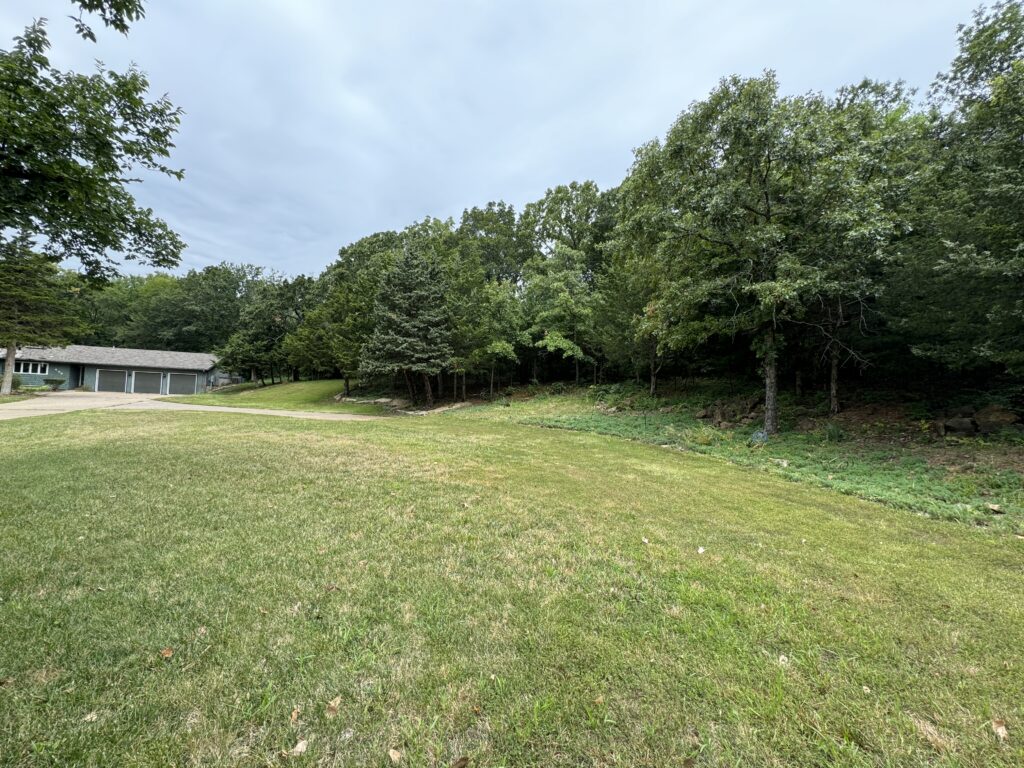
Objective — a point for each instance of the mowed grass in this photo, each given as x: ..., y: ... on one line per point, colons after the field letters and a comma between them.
x: 198, y: 588
x: 957, y: 479
x: 12, y: 398
x: 297, y: 396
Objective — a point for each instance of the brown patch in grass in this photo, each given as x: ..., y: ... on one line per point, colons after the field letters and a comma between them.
x: 930, y: 733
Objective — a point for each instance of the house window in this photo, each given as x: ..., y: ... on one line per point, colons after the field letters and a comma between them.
x: 22, y: 366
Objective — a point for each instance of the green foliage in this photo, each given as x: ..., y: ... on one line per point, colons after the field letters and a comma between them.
x: 274, y: 309
x: 72, y: 145
x: 37, y: 303
x: 799, y: 238
x: 412, y: 328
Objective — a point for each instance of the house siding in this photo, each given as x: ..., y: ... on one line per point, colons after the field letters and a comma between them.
x: 56, y: 371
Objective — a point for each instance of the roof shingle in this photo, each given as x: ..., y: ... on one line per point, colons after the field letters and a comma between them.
x: 118, y: 356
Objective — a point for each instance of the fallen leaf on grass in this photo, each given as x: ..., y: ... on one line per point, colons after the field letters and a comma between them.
x: 700, y: 550
x: 599, y: 700
x: 783, y: 659
x: 92, y: 717
x: 395, y: 755
x: 299, y: 748
x: 166, y: 653
x: 462, y: 762
x: 994, y: 509
x: 263, y: 611
x: 330, y: 587
x: 999, y: 729
x: 332, y: 707
x: 295, y: 716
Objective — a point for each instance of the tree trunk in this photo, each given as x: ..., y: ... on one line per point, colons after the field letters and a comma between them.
x: 463, y: 386
x: 455, y: 386
x: 408, y: 383
x: 428, y: 391
x: 655, y: 369
x: 799, y: 383
x: 833, y: 381
x: 595, y: 373
x: 346, y: 386
x: 771, y: 387
x: 492, y: 381
x: 295, y: 374
x: 440, y: 386
x: 12, y: 353
x: 577, y: 361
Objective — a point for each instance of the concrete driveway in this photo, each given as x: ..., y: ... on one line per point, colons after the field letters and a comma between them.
x: 50, y: 403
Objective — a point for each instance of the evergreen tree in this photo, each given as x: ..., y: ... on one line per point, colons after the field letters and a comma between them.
x: 412, y: 330
x: 37, y: 303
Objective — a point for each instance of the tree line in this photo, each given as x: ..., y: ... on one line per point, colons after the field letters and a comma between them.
x: 803, y: 238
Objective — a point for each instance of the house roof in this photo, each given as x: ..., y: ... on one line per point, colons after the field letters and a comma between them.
x: 118, y: 356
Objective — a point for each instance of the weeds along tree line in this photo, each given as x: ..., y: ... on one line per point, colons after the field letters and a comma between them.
x: 808, y: 239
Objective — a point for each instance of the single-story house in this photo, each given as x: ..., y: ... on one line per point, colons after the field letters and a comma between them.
x: 115, y: 369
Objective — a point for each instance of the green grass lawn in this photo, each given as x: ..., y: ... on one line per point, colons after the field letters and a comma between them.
x: 899, y: 465
x: 294, y: 396
x: 12, y: 398
x: 214, y: 589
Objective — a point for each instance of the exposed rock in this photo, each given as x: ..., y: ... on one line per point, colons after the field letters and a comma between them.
x: 963, y: 412
x: 701, y: 414
x: 993, y: 418
x: 959, y: 426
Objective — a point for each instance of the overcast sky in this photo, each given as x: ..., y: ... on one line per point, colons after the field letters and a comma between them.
x: 311, y: 123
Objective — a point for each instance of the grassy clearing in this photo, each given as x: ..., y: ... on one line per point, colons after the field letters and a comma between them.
x: 12, y: 398
x: 901, y: 465
x: 209, y: 589
x: 290, y: 396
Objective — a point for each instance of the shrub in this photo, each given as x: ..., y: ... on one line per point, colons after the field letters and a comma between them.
x: 702, y: 434
x: 16, y: 383
x: 53, y: 384
x: 833, y: 433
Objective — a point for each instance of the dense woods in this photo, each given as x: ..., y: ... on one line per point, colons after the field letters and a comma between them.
x: 808, y: 240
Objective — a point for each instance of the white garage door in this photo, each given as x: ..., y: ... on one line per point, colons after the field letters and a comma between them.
x: 182, y: 384
x: 111, y: 381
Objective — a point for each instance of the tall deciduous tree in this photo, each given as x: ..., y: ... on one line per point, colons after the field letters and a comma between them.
x: 958, y: 286
x: 72, y: 146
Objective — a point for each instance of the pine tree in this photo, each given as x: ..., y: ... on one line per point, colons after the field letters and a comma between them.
x: 412, y: 329
x: 36, y: 304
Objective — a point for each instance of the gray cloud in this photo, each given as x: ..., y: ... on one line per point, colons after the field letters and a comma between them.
x: 311, y: 123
